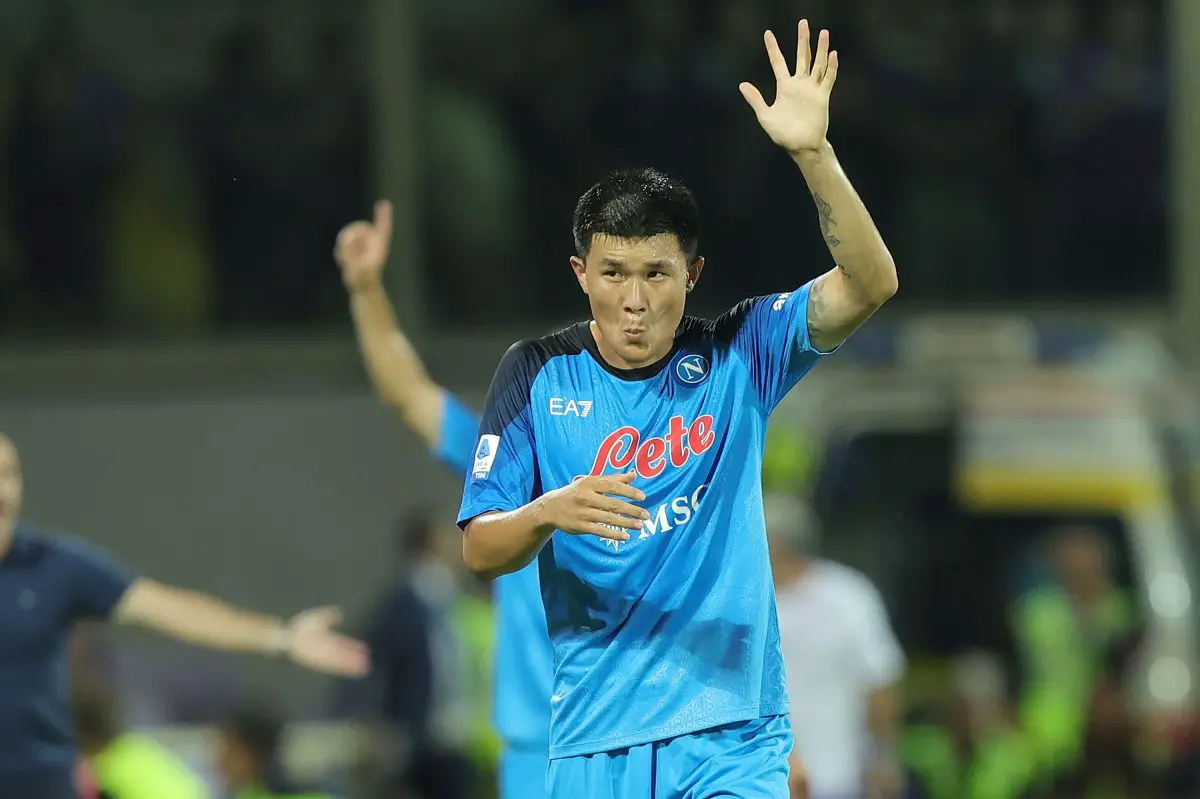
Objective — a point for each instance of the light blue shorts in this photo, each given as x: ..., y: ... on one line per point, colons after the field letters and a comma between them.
x: 523, y: 773
x: 744, y: 760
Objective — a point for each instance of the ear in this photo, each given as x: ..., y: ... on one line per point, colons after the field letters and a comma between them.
x: 693, y: 272
x: 580, y: 270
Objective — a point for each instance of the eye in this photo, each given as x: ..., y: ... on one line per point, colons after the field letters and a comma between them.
x: 657, y: 274
x: 610, y: 273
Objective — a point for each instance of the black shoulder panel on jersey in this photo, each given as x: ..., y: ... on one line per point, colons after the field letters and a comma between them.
x: 722, y: 330
x: 520, y: 366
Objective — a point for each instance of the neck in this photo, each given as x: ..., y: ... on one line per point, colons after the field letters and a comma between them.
x: 6, y: 537
x: 791, y: 571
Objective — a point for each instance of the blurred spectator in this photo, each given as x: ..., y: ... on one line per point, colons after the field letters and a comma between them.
x: 1109, y: 764
x: 1063, y: 632
x: 843, y: 661
x: 65, y: 152
x: 127, y: 765
x: 417, y: 696
x: 973, y: 748
x: 249, y: 759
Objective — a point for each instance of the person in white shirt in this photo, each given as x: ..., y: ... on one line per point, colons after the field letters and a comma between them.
x: 843, y: 663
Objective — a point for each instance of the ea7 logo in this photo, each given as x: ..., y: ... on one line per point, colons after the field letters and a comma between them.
x: 566, y: 407
x: 780, y: 301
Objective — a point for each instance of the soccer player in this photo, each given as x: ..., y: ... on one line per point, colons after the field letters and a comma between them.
x: 48, y: 582
x: 624, y: 453
x: 523, y: 659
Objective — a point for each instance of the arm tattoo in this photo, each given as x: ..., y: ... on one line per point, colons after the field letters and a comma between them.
x: 818, y: 305
x: 825, y: 214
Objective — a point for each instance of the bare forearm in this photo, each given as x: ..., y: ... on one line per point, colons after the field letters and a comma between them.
x: 199, y: 619
x: 395, y: 369
x: 846, y: 225
x: 501, y: 543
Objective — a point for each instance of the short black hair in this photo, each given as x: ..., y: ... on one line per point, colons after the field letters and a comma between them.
x: 636, y: 204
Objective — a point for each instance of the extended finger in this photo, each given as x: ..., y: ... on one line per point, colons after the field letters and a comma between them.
x: 620, y: 506
x: 778, y: 62
x: 803, y: 50
x: 602, y: 531
x: 383, y: 219
x: 754, y: 98
x: 618, y: 520
x: 607, y: 485
x: 831, y: 73
x: 821, y: 61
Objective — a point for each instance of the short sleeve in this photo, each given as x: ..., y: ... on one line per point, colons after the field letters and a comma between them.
x: 883, y: 658
x: 504, y: 468
x: 772, y: 335
x: 98, y: 580
x: 456, y: 442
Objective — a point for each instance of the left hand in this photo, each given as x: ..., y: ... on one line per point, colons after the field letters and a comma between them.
x: 798, y: 120
x: 313, y: 643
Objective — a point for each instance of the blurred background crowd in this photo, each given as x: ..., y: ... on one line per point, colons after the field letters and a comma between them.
x: 1012, y: 150
x: 179, y: 372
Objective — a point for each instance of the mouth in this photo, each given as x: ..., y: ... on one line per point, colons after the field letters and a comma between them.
x: 634, y: 334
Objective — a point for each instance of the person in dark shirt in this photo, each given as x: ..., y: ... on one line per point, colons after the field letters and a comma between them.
x: 49, y: 581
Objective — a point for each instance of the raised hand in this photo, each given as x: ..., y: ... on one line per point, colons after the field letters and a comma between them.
x: 362, y: 248
x: 590, y: 506
x: 799, y: 118
x: 314, y: 643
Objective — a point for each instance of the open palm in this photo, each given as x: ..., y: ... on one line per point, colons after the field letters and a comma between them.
x: 799, y: 118
x: 315, y: 644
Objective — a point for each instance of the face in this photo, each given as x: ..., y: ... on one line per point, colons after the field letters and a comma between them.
x: 637, y: 290
x: 1081, y: 560
x: 10, y: 487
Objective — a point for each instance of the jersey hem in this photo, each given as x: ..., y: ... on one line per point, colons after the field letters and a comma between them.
x: 598, y: 746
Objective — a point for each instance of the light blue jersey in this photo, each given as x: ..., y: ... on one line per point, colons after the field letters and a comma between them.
x: 524, y: 663
x: 674, y: 631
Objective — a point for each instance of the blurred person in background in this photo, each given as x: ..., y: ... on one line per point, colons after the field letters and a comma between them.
x: 49, y: 582
x: 1110, y: 764
x: 127, y: 765
x: 844, y: 664
x: 417, y: 691
x: 1063, y: 631
x: 973, y: 748
x: 523, y: 660
x: 249, y: 760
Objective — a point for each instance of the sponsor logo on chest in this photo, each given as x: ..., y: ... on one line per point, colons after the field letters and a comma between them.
x: 626, y: 448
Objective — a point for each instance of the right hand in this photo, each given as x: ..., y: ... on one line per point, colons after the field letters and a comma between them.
x: 362, y: 248
x: 590, y: 506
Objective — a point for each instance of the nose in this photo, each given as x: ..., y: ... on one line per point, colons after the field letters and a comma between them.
x: 635, y: 296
